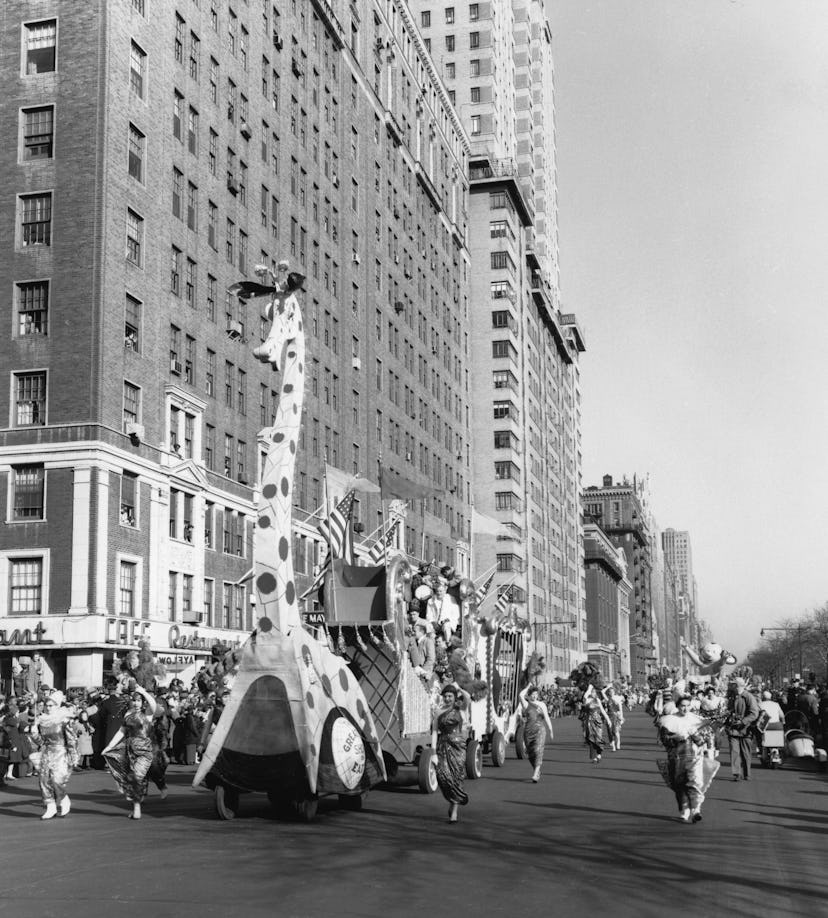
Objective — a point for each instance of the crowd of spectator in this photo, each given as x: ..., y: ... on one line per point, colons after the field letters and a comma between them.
x: 183, y: 720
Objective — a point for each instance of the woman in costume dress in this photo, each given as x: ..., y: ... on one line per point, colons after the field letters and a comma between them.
x: 536, y: 724
x: 615, y: 710
x: 58, y: 742
x: 595, y: 721
x: 689, y: 772
x: 448, y: 739
x: 132, y: 752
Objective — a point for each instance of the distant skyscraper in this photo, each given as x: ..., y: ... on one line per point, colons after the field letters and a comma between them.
x: 679, y: 553
x: 495, y: 59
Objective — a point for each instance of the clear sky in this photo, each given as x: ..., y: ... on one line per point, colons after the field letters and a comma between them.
x: 692, y: 142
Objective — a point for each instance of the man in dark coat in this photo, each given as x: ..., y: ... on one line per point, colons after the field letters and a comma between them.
x: 808, y: 704
x: 107, y: 719
x: 744, y: 712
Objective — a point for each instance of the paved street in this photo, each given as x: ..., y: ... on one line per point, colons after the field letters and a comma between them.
x: 587, y: 839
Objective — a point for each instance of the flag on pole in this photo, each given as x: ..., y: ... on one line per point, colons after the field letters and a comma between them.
x: 483, y: 590
x: 499, y: 613
x: 337, y: 530
x: 339, y: 534
x: 319, y: 579
x: 340, y: 482
x: 397, y: 487
x: 481, y: 524
x: 378, y: 549
x: 502, y: 603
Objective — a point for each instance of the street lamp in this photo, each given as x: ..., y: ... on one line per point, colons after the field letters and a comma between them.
x: 798, y: 630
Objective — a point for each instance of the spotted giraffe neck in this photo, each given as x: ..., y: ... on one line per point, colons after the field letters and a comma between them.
x: 272, y: 539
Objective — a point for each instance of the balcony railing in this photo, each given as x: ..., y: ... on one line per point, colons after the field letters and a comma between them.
x: 495, y: 168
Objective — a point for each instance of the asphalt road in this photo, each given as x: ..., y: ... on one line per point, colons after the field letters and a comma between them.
x: 586, y: 840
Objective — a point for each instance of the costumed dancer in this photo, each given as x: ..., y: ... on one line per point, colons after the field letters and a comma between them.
x: 536, y: 723
x: 688, y: 771
x: 596, y: 723
x: 130, y: 755
x: 615, y: 710
x: 588, y: 680
x: 448, y: 739
x: 54, y: 732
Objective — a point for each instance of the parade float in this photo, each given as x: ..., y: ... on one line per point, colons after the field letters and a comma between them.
x: 297, y: 724
x: 365, y: 618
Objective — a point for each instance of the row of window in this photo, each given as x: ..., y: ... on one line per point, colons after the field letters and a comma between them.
x: 28, y: 504
x: 27, y: 583
x: 451, y: 42
x: 448, y: 14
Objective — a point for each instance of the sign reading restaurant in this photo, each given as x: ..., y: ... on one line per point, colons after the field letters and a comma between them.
x: 18, y: 636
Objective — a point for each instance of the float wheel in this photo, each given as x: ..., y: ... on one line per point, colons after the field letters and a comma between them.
x: 427, y: 772
x: 227, y: 801
x: 474, y: 760
x: 352, y: 802
x: 498, y: 749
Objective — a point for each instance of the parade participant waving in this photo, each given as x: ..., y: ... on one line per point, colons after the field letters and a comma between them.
x: 129, y: 756
x: 536, y: 723
x: 448, y: 739
x: 55, y: 734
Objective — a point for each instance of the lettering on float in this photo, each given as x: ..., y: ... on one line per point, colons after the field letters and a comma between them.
x: 29, y: 636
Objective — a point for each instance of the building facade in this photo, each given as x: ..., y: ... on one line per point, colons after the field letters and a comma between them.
x: 164, y: 150
x: 618, y: 510
x: 495, y: 60
x: 607, y: 603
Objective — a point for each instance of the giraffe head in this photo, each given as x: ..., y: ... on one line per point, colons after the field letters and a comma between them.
x: 286, y: 318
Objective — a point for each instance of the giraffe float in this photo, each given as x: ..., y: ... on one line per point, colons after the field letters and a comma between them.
x: 296, y: 724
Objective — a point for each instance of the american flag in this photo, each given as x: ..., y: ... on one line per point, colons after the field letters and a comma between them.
x: 483, y: 590
x: 337, y: 529
x: 500, y: 613
x: 339, y: 534
x: 377, y: 552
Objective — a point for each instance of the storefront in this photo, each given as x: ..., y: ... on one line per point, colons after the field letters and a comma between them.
x: 75, y: 651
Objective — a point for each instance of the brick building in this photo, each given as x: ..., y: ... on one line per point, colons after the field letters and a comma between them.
x: 162, y: 150
x: 607, y: 603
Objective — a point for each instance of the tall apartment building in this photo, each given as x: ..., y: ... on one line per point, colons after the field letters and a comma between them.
x: 618, y: 509
x: 158, y: 150
x: 495, y: 60
x: 674, y: 615
x: 678, y: 552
